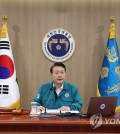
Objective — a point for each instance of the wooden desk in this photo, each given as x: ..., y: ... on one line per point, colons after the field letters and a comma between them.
x: 11, y: 124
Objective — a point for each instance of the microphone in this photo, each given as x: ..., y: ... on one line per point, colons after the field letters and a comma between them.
x: 56, y: 96
x: 45, y: 113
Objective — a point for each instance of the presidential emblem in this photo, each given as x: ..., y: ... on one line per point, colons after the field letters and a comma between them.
x: 58, y: 45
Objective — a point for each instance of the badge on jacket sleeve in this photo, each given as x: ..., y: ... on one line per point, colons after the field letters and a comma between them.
x: 38, y: 96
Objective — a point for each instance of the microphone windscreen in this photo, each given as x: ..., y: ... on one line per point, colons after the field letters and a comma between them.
x: 54, y: 88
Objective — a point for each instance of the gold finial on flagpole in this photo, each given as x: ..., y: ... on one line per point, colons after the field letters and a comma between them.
x: 5, y: 18
x: 4, y: 27
x: 112, y: 27
x: 112, y: 19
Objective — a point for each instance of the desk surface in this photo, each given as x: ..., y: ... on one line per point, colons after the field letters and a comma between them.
x: 25, y: 123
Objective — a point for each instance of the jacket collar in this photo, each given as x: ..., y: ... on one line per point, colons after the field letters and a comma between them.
x: 65, y: 85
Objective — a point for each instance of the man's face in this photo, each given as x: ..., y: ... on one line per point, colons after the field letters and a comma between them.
x: 58, y: 74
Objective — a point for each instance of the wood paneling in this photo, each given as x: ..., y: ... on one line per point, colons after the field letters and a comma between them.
x: 86, y: 20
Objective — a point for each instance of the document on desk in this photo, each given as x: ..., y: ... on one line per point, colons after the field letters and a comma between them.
x: 56, y: 111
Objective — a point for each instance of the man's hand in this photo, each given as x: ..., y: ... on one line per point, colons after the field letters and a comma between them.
x: 64, y: 108
x: 40, y: 108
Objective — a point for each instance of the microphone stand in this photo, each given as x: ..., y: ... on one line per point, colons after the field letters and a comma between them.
x: 45, y: 114
x: 45, y: 111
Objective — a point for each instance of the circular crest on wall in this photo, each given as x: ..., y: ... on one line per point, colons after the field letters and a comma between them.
x: 58, y: 45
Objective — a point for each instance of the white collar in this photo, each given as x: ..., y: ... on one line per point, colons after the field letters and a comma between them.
x: 58, y: 90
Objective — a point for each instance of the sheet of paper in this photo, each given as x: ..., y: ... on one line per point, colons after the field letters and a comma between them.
x: 56, y: 111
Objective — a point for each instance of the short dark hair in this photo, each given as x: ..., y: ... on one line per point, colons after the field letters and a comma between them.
x: 57, y: 64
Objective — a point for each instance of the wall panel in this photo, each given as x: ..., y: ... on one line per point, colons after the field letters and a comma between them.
x: 86, y: 20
